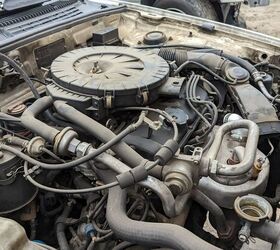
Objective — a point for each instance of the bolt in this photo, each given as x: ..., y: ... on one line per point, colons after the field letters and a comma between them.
x: 242, y: 238
x: 244, y: 232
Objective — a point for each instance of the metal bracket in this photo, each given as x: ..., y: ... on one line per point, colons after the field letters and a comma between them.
x: 143, y: 96
x: 31, y: 171
x: 109, y: 97
x: 197, y: 155
x: 255, y: 3
x: 154, y: 125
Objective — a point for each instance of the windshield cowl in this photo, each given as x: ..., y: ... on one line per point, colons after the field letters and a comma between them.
x: 12, y: 5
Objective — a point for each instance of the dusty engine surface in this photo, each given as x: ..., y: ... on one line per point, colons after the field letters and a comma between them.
x: 98, y: 78
x: 131, y: 148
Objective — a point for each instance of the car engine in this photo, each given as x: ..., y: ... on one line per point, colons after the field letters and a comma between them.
x: 141, y: 147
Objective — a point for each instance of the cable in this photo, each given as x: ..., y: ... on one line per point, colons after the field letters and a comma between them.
x: 272, y: 66
x: 100, y: 230
x: 97, y: 206
x: 103, y: 238
x: 37, y: 80
x: 266, y: 63
x: 190, y: 131
x: 209, y: 142
x: 91, y: 245
x: 203, y: 67
x: 211, y: 85
x: 22, y: 73
x: 191, y: 97
x: 30, y: 84
x: 207, y: 103
x: 266, y: 93
x: 158, y: 111
x: 152, y: 165
x: 81, y: 160
x: 188, y: 99
x: 65, y: 191
x: 123, y: 245
x: 53, y: 155
x: 13, y: 133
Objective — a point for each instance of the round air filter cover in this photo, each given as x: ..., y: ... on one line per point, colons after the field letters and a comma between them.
x: 110, y: 70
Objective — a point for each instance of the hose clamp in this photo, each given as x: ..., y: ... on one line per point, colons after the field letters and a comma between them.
x: 214, y: 167
x: 63, y: 139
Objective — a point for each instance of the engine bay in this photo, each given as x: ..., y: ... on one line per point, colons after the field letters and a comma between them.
x: 113, y: 143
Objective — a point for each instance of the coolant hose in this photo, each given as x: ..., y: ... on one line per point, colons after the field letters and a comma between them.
x: 29, y: 121
x: 255, y: 74
x: 216, y: 60
x: 148, y: 233
x: 130, y: 156
x: 268, y: 231
x: 213, y: 208
x: 241, y: 62
x: 60, y: 227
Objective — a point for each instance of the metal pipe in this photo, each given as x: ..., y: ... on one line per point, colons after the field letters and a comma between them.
x: 211, y: 165
x: 235, y: 180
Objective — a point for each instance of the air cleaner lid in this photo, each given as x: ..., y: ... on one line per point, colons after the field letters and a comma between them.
x: 97, y: 70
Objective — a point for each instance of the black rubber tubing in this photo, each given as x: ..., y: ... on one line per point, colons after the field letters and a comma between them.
x: 213, y: 209
x: 143, y: 144
x: 211, y: 60
x: 60, y: 228
x: 22, y: 73
x: 148, y: 233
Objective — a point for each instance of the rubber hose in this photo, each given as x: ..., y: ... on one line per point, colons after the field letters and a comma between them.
x: 99, y: 131
x: 145, y: 145
x: 60, y: 228
x: 29, y: 121
x: 213, y: 209
x: 147, y: 233
x: 212, y: 61
x: 241, y: 62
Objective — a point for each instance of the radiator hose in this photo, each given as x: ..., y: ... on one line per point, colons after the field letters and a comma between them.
x: 148, y: 233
